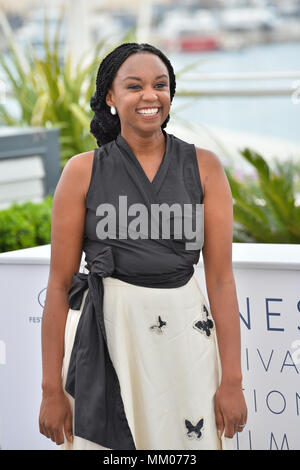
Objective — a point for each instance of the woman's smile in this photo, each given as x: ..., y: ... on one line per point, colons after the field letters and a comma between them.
x: 149, y: 113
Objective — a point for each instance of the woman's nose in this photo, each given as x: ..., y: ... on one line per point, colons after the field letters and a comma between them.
x: 149, y: 94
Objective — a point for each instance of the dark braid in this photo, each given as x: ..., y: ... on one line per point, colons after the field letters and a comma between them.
x: 105, y: 126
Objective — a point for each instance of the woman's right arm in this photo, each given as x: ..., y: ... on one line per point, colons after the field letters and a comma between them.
x: 67, y: 229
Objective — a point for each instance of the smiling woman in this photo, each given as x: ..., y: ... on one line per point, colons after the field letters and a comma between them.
x: 130, y: 345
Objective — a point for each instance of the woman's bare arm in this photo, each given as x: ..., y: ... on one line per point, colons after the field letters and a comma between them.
x: 217, y: 258
x: 67, y: 229
x: 220, y: 283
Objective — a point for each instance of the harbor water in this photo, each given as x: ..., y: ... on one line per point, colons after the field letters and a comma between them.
x: 267, y: 116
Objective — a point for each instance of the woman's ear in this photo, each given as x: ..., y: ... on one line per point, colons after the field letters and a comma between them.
x: 108, y: 98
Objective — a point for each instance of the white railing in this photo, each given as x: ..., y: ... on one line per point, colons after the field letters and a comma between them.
x: 241, y: 76
x: 283, y: 90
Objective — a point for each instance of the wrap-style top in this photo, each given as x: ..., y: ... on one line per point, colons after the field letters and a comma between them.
x: 119, y: 190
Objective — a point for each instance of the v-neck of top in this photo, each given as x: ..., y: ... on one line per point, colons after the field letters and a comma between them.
x: 162, y: 170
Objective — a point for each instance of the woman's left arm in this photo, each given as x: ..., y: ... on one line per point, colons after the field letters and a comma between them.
x: 230, y: 406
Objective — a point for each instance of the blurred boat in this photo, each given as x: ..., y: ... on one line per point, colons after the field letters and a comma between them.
x: 32, y: 33
x: 248, y: 19
x: 186, y: 32
x: 104, y: 25
x: 192, y: 43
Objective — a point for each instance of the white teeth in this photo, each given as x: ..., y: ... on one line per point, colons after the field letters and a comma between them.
x: 152, y: 111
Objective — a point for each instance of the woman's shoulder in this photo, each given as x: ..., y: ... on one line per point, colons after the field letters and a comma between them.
x: 209, y: 165
x: 207, y: 157
x: 80, y: 166
x: 82, y: 159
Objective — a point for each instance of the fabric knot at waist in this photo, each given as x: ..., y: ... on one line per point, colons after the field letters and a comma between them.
x: 102, y: 266
x: 91, y: 379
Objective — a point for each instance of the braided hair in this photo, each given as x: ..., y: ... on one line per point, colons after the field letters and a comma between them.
x: 105, y: 126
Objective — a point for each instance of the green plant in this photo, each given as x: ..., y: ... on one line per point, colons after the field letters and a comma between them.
x: 50, y: 92
x: 25, y: 225
x: 265, y: 209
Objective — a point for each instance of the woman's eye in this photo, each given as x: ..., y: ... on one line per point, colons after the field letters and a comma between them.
x: 137, y: 86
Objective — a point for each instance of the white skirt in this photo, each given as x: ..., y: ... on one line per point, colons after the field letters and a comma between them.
x: 167, y: 361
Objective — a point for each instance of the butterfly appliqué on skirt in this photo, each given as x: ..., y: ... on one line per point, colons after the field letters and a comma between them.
x: 194, y: 432
x: 158, y: 327
x: 204, y: 326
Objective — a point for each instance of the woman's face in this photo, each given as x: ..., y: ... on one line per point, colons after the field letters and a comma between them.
x: 150, y: 89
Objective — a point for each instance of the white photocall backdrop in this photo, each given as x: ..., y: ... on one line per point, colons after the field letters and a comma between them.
x: 268, y: 288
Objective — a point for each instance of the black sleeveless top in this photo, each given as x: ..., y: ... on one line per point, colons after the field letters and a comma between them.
x: 117, y: 172
x: 162, y: 262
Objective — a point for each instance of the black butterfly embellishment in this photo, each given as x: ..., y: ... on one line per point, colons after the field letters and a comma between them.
x: 159, y: 326
x: 204, y: 326
x: 194, y: 432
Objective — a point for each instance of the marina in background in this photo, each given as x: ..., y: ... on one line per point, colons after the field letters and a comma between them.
x: 236, y: 37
